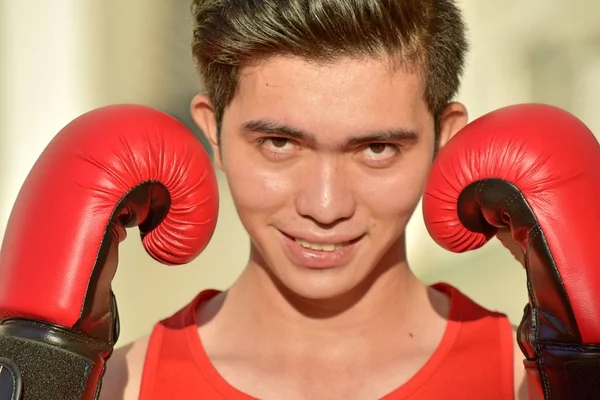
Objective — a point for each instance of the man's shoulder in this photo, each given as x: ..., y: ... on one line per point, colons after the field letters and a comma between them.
x: 469, y: 308
x: 124, y: 370
x: 521, y: 390
x: 519, y: 372
x: 123, y: 375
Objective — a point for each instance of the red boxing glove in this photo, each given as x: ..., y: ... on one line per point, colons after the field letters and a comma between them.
x: 112, y: 168
x: 536, y: 170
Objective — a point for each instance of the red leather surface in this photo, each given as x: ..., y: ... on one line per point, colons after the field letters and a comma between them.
x: 554, y: 160
x: 63, y: 209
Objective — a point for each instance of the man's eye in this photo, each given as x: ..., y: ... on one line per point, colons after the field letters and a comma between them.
x: 278, y: 142
x: 276, y: 147
x: 379, y: 151
x: 377, y: 148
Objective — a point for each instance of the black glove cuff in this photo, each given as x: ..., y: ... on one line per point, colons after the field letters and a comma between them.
x: 569, y: 371
x: 51, y: 362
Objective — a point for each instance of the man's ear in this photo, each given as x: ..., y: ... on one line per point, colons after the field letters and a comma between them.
x: 454, y: 117
x: 203, y: 113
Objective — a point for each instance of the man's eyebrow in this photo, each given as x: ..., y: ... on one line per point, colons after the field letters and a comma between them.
x: 389, y: 135
x: 271, y: 127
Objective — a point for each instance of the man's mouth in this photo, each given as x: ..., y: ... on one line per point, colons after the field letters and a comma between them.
x: 321, y: 246
x: 323, y: 252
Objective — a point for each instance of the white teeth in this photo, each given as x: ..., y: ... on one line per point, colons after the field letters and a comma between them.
x: 320, y: 246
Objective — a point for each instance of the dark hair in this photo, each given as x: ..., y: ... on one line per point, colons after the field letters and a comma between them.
x: 428, y: 35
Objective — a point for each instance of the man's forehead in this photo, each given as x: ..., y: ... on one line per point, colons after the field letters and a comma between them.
x: 289, y: 83
x: 283, y: 70
x: 339, y: 104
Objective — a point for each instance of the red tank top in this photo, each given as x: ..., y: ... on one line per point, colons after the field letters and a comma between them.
x: 474, y: 360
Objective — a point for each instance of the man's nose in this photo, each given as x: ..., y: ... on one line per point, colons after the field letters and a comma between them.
x: 326, y: 196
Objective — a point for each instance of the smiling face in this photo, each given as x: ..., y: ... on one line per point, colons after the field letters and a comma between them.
x: 326, y: 164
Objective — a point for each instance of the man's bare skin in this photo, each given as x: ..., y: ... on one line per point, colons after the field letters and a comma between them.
x: 124, y: 370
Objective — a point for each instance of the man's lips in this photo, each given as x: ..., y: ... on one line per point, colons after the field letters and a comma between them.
x: 322, y: 253
x: 330, y: 243
x: 308, y: 240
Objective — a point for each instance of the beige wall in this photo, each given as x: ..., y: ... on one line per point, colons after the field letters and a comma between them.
x: 61, y: 58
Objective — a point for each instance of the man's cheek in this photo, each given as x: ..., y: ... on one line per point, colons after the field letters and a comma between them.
x: 257, y: 189
x: 391, y: 194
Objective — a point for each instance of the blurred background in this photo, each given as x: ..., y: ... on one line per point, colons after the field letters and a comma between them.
x: 61, y: 58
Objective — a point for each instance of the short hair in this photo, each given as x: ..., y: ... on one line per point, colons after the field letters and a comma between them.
x: 428, y: 35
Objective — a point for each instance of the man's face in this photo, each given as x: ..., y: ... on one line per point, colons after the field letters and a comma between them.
x: 326, y: 163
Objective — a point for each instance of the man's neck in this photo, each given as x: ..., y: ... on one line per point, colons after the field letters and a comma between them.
x: 395, y: 304
x: 363, y: 306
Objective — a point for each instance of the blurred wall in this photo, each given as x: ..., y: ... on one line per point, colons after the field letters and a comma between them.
x: 59, y: 59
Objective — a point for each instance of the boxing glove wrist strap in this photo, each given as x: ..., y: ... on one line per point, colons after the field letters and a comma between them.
x: 580, y: 367
x: 54, y: 363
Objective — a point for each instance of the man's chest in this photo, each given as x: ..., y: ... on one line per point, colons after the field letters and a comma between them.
x: 317, y: 382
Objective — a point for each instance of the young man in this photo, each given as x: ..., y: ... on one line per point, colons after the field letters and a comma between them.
x: 325, y: 116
